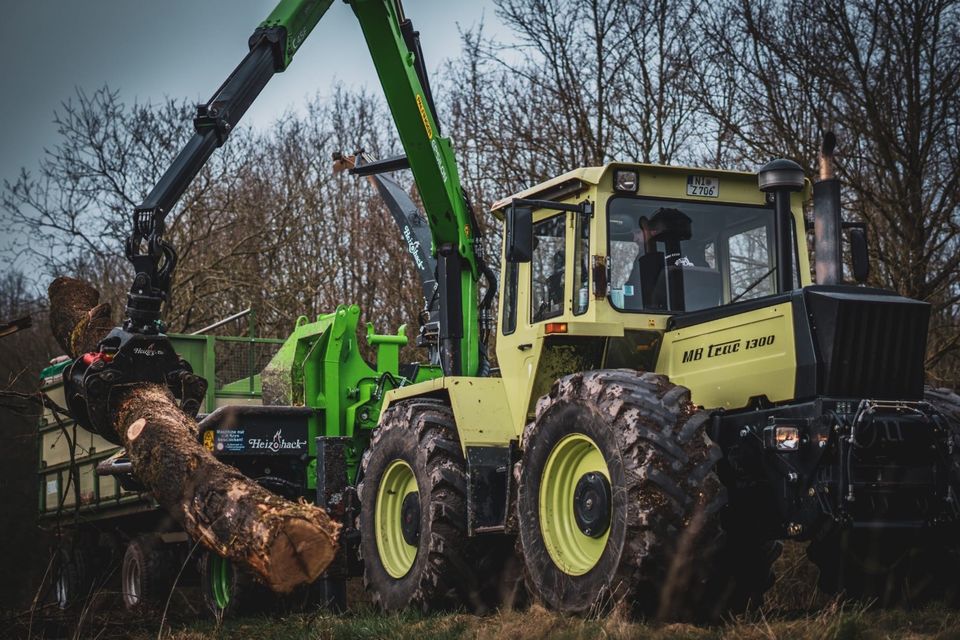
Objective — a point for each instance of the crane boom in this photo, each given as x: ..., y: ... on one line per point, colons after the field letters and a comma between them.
x: 272, y: 47
x: 395, y: 49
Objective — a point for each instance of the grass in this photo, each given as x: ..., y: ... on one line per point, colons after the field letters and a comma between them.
x: 794, y: 611
x: 838, y: 621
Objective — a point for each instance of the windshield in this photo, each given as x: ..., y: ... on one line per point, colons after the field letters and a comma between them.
x: 683, y: 256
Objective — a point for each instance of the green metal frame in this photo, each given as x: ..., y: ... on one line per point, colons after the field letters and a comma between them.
x: 320, y: 366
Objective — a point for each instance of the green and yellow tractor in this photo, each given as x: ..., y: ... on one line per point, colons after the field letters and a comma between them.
x: 674, y: 395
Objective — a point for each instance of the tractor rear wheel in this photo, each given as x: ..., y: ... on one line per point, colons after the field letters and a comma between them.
x: 413, y: 514
x: 618, y: 498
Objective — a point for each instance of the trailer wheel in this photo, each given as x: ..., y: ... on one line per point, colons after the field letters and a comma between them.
x: 71, y: 579
x: 147, y: 573
x: 618, y: 498
x: 413, y: 511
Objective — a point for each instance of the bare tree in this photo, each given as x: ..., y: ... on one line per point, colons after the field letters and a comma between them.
x: 886, y: 77
x: 266, y: 224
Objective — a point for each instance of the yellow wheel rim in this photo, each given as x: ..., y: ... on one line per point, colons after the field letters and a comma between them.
x: 396, y: 554
x: 574, y: 552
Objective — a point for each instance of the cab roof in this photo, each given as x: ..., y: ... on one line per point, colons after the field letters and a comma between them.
x: 572, y: 182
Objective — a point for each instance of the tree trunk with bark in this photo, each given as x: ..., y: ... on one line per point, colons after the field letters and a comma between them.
x: 285, y: 544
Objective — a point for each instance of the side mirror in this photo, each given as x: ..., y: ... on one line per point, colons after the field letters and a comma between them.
x: 518, y: 234
x: 859, y: 255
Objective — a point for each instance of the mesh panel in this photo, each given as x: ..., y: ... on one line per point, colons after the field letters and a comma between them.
x: 239, y: 360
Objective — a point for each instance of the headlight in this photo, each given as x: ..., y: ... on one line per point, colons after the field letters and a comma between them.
x: 625, y: 181
x: 782, y: 437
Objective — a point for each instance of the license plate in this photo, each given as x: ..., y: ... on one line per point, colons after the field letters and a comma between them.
x: 703, y: 186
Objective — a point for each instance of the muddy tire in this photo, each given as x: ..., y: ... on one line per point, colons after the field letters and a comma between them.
x: 661, y: 525
x: 413, y: 513
x: 147, y: 573
x: 899, y: 567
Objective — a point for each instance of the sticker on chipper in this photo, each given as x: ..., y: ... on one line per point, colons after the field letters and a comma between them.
x: 230, y: 440
x: 703, y: 186
x: 51, y: 486
x: 261, y: 440
x: 279, y: 442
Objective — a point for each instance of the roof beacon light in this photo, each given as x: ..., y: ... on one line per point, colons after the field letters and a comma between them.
x: 780, y: 174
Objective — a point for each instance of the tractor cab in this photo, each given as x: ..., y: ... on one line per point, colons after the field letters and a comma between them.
x: 647, y: 244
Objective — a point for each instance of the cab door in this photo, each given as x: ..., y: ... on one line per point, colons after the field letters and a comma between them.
x: 532, y: 295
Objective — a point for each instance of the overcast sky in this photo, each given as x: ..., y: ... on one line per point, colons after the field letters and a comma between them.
x: 148, y: 49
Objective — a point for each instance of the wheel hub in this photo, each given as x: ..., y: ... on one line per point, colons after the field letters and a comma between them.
x: 410, y: 518
x: 591, y: 504
x: 397, y: 519
x: 575, y: 496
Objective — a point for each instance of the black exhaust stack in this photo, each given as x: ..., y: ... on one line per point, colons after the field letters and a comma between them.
x: 828, y: 261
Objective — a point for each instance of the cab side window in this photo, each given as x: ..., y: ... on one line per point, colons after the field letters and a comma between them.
x: 751, y: 264
x: 511, y: 280
x: 547, y: 269
x: 581, y: 270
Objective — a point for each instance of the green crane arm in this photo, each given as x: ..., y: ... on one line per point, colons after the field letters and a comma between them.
x: 394, y: 47
x: 430, y: 155
x: 297, y: 18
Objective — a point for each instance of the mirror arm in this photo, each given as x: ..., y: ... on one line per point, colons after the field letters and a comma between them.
x: 584, y: 208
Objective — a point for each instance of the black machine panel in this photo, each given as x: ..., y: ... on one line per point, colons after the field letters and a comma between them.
x: 870, y: 343
x: 488, y: 487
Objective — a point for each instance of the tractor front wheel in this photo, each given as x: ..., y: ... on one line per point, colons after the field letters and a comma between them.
x: 618, y: 498
x: 413, y: 515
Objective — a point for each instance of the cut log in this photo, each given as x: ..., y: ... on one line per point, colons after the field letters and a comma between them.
x: 285, y: 544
